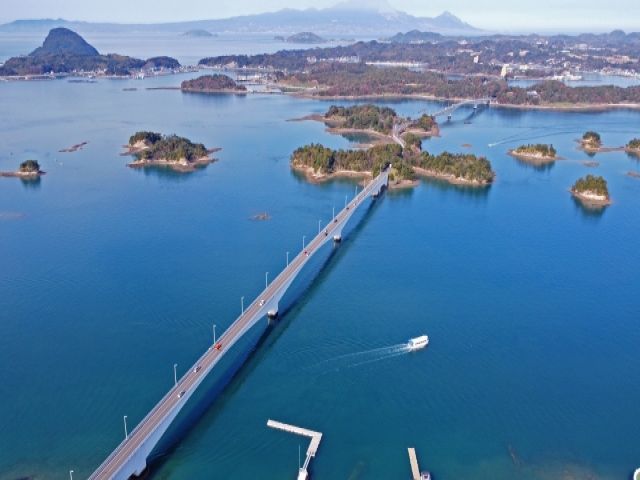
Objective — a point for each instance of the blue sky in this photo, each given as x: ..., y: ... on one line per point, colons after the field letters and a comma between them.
x: 521, y: 15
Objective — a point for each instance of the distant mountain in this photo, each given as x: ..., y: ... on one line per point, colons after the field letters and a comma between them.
x: 64, y: 51
x: 62, y: 41
x: 372, y: 18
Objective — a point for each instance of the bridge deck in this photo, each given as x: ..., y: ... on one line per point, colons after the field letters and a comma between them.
x: 169, y: 406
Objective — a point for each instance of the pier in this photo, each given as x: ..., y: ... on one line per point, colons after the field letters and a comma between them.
x: 303, y: 471
x: 130, y: 456
x: 415, y: 468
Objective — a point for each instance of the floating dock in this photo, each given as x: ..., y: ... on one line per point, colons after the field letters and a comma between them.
x: 303, y: 472
x: 413, y: 460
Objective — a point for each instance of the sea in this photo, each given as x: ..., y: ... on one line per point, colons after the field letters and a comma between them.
x: 110, y: 276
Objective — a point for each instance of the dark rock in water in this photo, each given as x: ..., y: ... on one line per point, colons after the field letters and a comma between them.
x: 62, y: 41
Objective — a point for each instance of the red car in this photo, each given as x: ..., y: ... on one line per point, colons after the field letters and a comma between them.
x: 218, y: 346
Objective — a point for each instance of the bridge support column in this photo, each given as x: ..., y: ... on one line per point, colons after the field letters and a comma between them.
x: 449, y: 117
x: 273, y: 313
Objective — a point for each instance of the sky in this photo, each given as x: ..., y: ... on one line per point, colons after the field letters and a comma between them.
x: 498, y: 15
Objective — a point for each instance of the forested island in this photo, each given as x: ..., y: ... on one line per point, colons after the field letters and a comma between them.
x: 320, y: 163
x: 381, y: 122
x: 305, y: 37
x: 362, y: 117
x: 151, y: 149
x: 212, y: 84
x: 592, y: 191
x: 633, y: 146
x: 64, y: 52
x: 591, y: 141
x: 27, y: 169
x: 539, y: 153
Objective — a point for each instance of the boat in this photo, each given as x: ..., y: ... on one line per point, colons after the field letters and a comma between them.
x: 425, y: 476
x: 418, y: 342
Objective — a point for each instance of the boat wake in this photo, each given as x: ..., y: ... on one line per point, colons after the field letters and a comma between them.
x: 356, y: 359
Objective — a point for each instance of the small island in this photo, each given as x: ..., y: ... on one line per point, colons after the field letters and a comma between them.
x: 29, y: 169
x: 591, y: 142
x: 456, y: 168
x: 151, y: 149
x: 305, y: 37
x: 536, y: 153
x: 633, y: 146
x: 199, y: 33
x: 591, y: 191
x: 212, y: 84
x: 381, y: 123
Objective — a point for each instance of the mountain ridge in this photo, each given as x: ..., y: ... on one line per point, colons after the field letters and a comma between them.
x: 346, y: 18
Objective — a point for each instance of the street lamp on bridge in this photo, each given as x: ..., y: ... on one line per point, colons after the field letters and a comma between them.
x: 175, y: 373
x: 214, y: 333
x: 242, y: 305
x: 126, y: 432
x: 266, y: 279
x: 287, y: 259
x: 303, y: 237
x: 70, y: 474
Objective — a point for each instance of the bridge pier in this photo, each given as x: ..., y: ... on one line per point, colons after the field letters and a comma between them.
x: 449, y: 117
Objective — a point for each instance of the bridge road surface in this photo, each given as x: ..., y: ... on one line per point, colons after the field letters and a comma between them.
x: 122, y: 454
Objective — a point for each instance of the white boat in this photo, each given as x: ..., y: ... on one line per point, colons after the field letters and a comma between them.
x: 418, y: 342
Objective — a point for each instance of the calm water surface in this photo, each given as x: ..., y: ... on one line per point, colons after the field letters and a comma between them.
x: 109, y: 276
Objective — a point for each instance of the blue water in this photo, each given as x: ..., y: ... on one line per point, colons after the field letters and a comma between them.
x: 109, y: 276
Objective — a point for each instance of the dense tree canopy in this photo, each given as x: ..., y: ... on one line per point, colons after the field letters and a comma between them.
x: 168, y: 147
x: 591, y: 184
x: 536, y: 149
x: 363, y: 117
x: 29, y: 166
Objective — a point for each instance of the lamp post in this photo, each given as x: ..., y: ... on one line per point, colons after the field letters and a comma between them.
x: 334, y: 213
x: 175, y: 373
x: 214, y: 333
x: 126, y: 432
x: 319, y: 221
x: 242, y: 304
x: 345, y: 201
x: 303, y: 237
x: 70, y: 474
x: 287, y: 259
x: 266, y: 279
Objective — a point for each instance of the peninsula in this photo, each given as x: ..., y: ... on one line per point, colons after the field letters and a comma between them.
x: 151, y: 149
x: 592, y: 191
x: 212, y: 84
x: 536, y: 153
x: 28, y: 169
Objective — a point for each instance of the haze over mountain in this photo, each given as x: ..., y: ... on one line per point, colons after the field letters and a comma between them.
x: 351, y: 17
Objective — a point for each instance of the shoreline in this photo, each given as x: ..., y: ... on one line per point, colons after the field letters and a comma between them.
x: 533, y: 158
x: 450, y: 178
x: 181, y: 165
x: 312, y: 177
x: 589, y: 199
x: 23, y: 175
x: 213, y: 90
x: 578, y: 107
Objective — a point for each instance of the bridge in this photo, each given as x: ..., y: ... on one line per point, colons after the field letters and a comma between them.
x: 130, y: 457
x: 448, y: 111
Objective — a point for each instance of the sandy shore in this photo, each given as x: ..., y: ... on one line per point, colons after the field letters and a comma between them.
x: 591, y: 199
x: 24, y: 175
x: 314, y: 177
x: 449, y: 178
